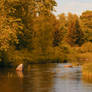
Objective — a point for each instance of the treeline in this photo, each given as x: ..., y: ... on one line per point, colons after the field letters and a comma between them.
x: 31, y: 33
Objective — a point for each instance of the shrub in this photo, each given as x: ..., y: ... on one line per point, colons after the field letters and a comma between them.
x: 86, y: 47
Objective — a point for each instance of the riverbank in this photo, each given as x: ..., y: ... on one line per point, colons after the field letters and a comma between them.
x: 87, y: 70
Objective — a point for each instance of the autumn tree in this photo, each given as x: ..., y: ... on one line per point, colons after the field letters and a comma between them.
x: 43, y: 34
x: 63, y: 25
x: 75, y: 35
x: 28, y: 11
x: 17, y: 21
x: 9, y: 26
x: 86, y: 23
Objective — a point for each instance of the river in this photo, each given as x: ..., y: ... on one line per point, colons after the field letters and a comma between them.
x: 44, y: 78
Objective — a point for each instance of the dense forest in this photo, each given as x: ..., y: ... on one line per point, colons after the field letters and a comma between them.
x: 31, y: 33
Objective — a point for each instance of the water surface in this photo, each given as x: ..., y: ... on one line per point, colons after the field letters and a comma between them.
x: 44, y: 78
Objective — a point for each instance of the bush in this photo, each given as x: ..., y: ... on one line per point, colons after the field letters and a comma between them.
x: 69, y: 52
x: 15, y: 57
x: 87, y: 67
x: 86, y: 47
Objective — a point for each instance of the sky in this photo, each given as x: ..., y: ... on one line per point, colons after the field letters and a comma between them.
x: 74, y: 6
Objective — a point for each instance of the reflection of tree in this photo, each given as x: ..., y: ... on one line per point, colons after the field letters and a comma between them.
x: 20, y: 74
x: 87, y: 79
x: 40, y: 79
x: 10, y: 82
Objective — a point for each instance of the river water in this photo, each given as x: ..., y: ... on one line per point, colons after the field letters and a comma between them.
x: 44, y: 78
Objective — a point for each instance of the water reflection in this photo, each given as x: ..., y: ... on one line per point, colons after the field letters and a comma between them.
x: 44, y: 78
x: 41, y: 79
x: 9, y: 82
x: 87, y: 79
x: 20, y: 74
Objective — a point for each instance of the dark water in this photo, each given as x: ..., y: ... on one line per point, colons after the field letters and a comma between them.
x: 44, y: 78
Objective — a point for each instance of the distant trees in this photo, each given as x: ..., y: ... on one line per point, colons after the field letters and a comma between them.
x: 69, y: 30
x: 56, y: 32
x: 60, y: 29
x: 75, y: 35
x: 86, y: 23
x: 63, y: 26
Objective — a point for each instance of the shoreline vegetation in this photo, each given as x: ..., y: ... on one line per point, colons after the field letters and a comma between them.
x: 87, y: 71
x: 30, y: 34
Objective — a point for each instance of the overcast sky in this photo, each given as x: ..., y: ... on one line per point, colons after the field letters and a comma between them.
x: 74, y: 6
